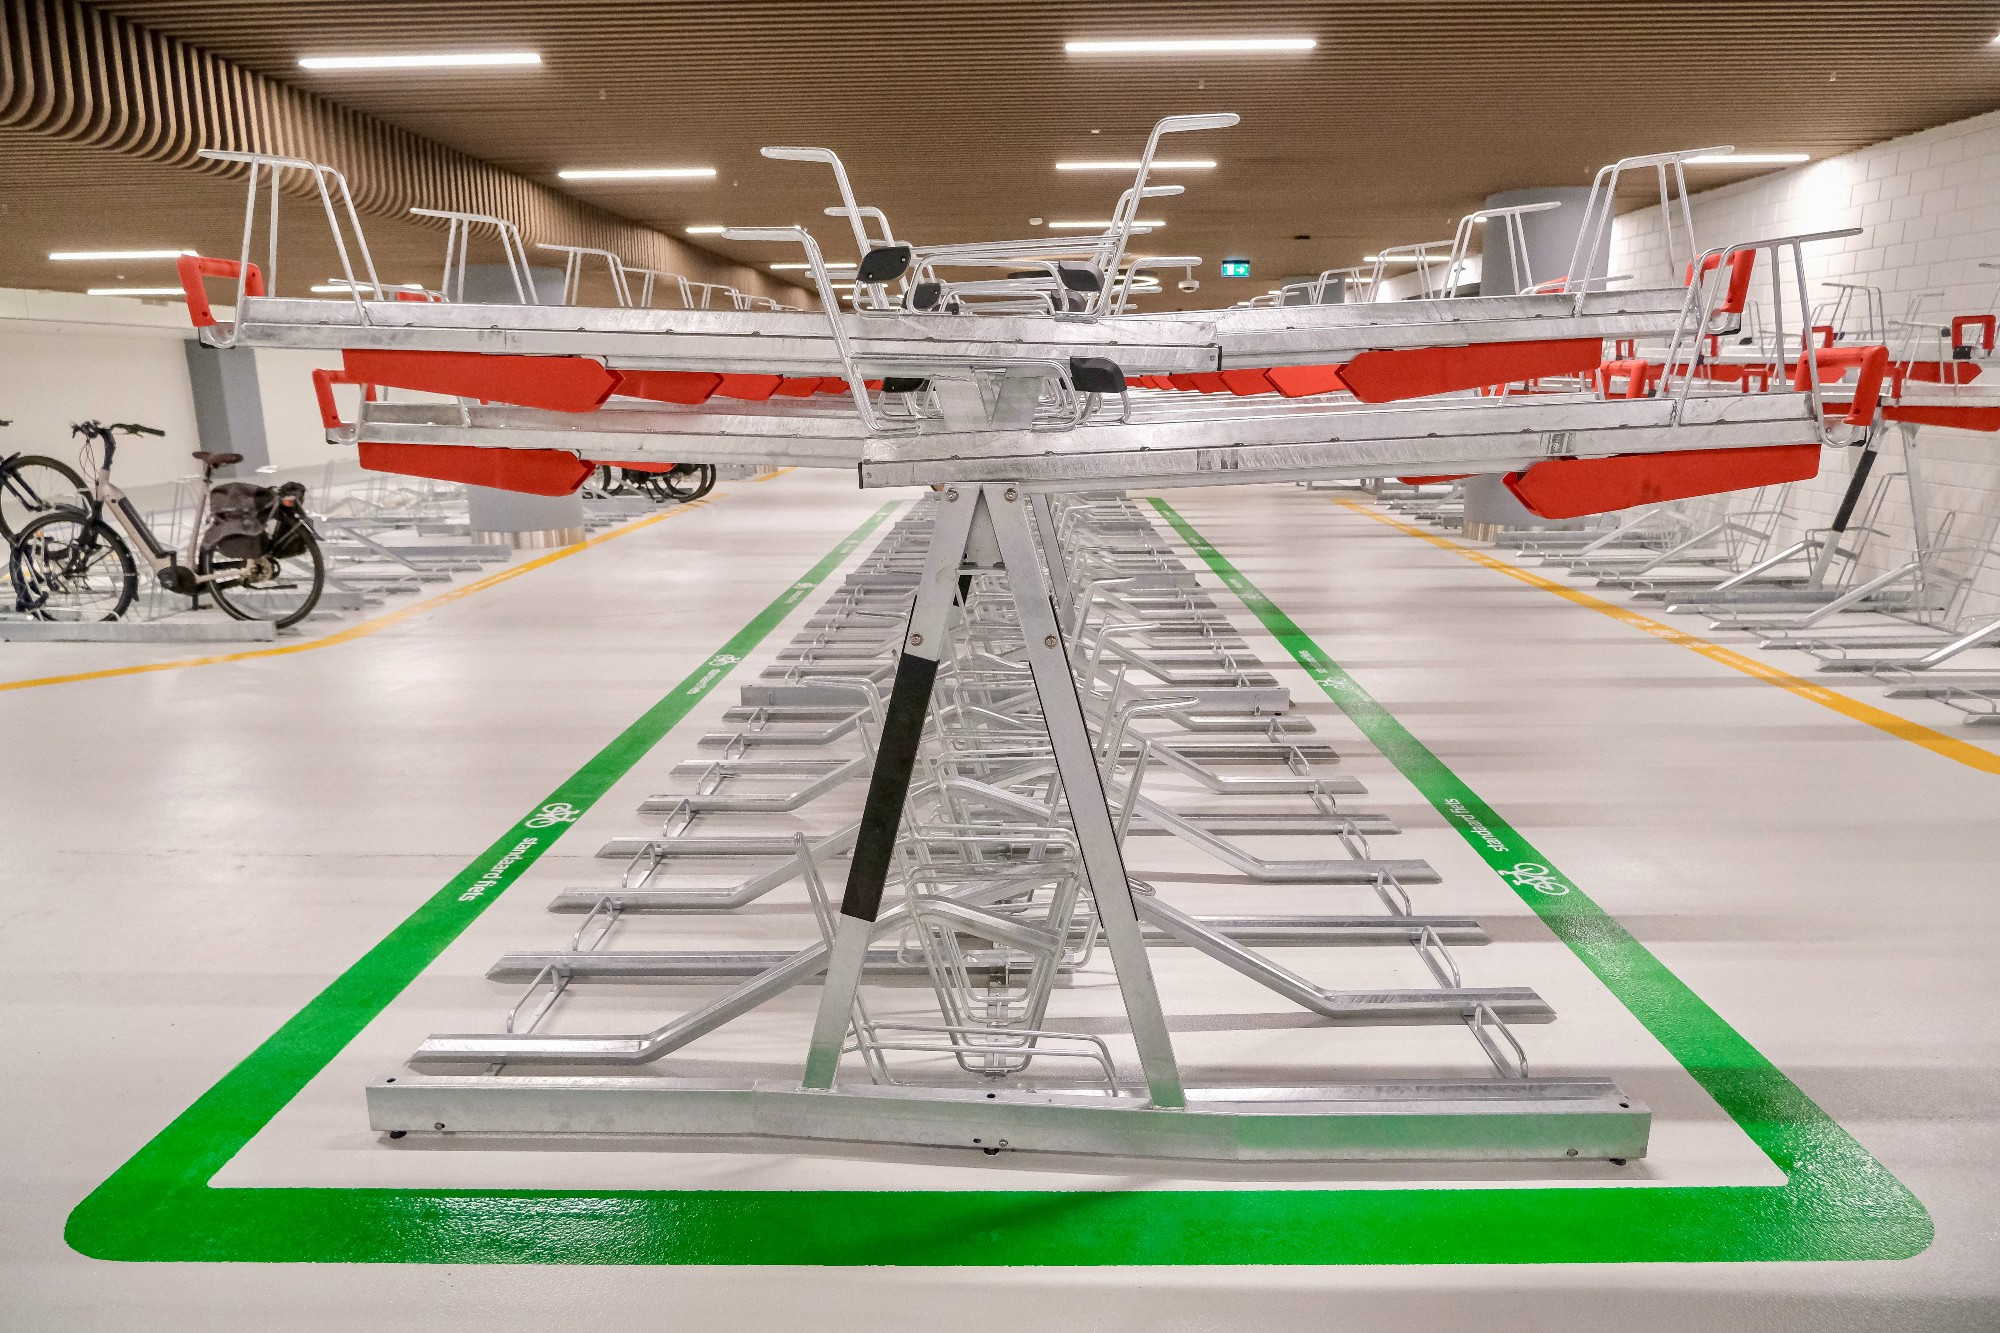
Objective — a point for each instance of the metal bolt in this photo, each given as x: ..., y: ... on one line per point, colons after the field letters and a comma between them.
x: 951, y: 494
x: 440, y: 1124
x: 1011, y: 494
x: 1050, y: 641
x: 916, y: 641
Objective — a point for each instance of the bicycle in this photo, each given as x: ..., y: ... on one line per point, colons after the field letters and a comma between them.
x: 31, y: 485
x: 680, y: 482
x: 258, y: 559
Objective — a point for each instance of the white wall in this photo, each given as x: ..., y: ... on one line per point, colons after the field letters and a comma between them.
x: 292, y: 425
x: 72, y: 358
x: 1401, y: 283
x: 1929, y: 208
x: 67, y: 358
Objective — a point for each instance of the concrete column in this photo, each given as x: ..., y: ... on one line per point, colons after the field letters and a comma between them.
x: 1551, y: 238
x: 1335, y: 293
x: 1550, y: 244
x: 228, y: 406
x: 520, y: 521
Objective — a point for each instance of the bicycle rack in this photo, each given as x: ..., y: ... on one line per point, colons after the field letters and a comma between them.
x: 1033, y: 681
x: 1031, y: 758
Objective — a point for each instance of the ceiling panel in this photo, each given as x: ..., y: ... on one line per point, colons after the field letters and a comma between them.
x: 951, y: 116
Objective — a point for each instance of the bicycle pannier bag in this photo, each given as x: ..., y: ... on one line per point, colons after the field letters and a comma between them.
x: 289, y: 529
x: 237, y: 511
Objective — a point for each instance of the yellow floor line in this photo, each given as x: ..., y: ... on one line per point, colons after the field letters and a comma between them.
x: 769, y: 476
x: 366, y: 627
x: 1916, y: 733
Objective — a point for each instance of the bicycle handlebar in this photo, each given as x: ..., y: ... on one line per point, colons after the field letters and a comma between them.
x: 102, y: 431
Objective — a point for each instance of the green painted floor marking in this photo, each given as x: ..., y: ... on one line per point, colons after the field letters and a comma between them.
x: 1834, y: 1184
x: 1838, y: 1202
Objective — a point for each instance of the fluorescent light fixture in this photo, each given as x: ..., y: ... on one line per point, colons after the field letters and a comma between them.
x: 438, y: 60
x: 802, y: 266
x: 1406, y: 259
x: 1132, y: 164
x: 1173, y: 46
x: 1101, y: 224
x: 338, y: 287
x: 706, y: 229
x: 135, y: 291
x: 1745, y: 159
x: 89, y: 255
x: 638, y: 174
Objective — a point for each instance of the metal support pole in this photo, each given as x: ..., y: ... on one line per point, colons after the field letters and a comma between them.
x: 1083, y: 785
x: 1913, y: 477
x: 1845, y: 514
x: 889, y: 784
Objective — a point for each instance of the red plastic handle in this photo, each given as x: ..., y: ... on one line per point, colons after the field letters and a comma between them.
x: 323, y: 382
x: 1741, y: 265
x: 193, y: 268
x: 1637, y: 374
x: 1984, y: 323
x: 1835, y: 362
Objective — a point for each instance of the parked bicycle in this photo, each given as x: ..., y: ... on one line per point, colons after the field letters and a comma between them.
x: 31, y: 485
x: 680, y: 483
x: 257, y: 556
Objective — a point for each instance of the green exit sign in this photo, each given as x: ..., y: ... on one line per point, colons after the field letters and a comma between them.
x: 1235, y: 268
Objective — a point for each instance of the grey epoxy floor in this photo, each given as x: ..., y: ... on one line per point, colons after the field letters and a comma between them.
x: 190, y: 855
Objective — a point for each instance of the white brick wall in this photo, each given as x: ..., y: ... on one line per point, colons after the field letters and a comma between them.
x: 1929, y: 206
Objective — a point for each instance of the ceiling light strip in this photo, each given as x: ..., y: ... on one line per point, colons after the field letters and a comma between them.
x: 1189, y: 46
x: 64, y: 256
x: 1132, y: 164
x: 636, y: 173
x: 436, y: 60
x: 1745, y: 159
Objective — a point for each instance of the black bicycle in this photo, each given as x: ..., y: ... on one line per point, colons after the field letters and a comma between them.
x: 680, y: 484
x: 31, y: 485
x: 257, y: 556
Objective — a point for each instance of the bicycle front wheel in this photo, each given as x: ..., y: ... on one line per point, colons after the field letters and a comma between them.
x: 32, y: 485
x: 280, y: 589
x: 66, y: 566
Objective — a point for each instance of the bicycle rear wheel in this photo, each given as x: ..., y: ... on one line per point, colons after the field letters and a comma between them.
x: 32, y: 485
x: 689, y: 481
x: 66, y: 566
x: 280, y: 589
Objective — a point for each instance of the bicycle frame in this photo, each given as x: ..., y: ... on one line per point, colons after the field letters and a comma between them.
x: 107, y: 498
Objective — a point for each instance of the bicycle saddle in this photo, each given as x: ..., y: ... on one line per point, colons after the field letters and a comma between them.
x: 216, y: 460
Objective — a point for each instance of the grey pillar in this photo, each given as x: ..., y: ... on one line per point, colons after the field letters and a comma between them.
x: 520, y: 520
x: 1335, y: 293
x: 1551, y: 238
x: 1550, y: 245
x: 228, y: 406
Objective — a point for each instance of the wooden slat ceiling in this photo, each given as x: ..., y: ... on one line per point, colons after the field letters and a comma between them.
x: 951, y: 115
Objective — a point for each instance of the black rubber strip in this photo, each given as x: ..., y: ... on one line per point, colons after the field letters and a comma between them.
x: 888, y: 786
x: 1847, y: 502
